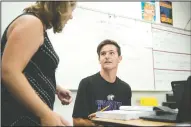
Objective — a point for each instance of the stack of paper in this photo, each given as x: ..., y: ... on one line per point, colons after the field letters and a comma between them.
x: 136, y: 108
x: 123, y: 115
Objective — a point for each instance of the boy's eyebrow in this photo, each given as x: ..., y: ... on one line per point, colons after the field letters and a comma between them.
x: 106, y: 51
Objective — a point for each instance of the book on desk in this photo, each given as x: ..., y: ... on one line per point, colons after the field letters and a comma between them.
x: 123, y: 115
x: 134, y: 112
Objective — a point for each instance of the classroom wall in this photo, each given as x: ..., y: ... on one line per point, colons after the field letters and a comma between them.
x: 181, y: 16
x: 181, y: 11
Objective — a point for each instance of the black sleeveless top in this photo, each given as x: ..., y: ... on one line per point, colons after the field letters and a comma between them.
x: 40, y: 72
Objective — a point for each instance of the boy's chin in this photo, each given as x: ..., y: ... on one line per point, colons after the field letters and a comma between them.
x: 108, y: 68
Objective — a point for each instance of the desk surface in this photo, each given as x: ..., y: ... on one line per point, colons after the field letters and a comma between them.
x: 137, y: 122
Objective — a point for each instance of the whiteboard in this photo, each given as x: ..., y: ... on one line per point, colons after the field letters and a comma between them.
x: 136, y: 68
x: 163, y: 78
x: 172, y: 61
x: 77, y: 45
x: 171, y: 40
x: 172, y: 55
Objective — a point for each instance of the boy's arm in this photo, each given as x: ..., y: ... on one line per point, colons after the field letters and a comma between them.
x: 81, y: 106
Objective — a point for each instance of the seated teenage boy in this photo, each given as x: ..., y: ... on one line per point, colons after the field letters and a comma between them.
x: 103, y: 88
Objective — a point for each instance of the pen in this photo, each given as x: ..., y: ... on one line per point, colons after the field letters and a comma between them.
x: 94, y: 114
x: 104, y: 109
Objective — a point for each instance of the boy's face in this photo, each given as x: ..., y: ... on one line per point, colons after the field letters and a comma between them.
x: 108, y: 57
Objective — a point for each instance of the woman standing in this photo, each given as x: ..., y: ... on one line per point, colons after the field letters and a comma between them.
x: 29, y: 61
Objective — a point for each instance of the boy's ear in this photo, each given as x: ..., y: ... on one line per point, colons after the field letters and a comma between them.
x: 99, y: 59
x: 120, y: 58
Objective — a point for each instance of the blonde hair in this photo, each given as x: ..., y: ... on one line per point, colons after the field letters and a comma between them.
x: 49, y: 12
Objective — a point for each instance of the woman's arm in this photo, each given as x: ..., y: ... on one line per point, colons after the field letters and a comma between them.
x: 82, y: 122
x: 57, y: 88
x: 24, y: 37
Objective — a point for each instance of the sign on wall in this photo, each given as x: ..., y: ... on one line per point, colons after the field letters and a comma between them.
x: 148, y: 11
x: 166, y: 12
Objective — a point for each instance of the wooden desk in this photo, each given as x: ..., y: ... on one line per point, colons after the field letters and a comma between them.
x: 137, y: 122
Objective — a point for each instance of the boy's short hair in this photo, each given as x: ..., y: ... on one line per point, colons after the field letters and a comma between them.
x: 108, y: 41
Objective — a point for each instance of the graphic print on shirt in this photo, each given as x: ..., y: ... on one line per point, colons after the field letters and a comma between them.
x: 113, y: 105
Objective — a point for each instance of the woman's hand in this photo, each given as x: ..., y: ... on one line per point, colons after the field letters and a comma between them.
x: 64, y: 95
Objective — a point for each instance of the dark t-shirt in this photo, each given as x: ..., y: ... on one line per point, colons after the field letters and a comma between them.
x: 95, y: 93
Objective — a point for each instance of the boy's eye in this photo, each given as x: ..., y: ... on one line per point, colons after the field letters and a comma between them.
x: 111, y: 53
x: 103, y: 53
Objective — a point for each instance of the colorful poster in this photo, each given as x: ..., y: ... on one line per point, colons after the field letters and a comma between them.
x: 166, y: 12
x: 148, y: 11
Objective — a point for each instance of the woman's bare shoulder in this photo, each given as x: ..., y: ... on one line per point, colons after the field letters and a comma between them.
x: 26, y: 23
